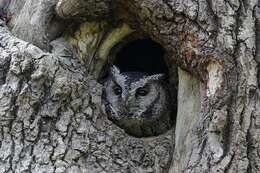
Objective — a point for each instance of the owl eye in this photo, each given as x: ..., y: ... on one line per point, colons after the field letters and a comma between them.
x: 142, y: 91
x: 117, y: 90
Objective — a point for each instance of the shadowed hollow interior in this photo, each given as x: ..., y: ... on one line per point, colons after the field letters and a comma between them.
x: 139, y: 54
x: 142, y: 55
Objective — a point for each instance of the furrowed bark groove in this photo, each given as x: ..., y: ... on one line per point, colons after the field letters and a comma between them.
x: 50, y: 106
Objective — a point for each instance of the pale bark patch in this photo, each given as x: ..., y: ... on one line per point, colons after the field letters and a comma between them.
x: 215, y: 78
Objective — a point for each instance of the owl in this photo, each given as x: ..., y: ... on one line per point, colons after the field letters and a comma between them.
x: 3, y: 9
x: 137, y: 102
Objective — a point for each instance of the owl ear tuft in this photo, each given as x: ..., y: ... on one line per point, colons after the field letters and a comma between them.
x: 156, y: 77
x: 114, y: 70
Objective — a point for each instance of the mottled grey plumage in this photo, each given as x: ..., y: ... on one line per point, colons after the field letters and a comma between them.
x: 3, y: 8
x: 137, y: 102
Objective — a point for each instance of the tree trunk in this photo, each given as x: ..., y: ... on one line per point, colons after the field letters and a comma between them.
x: 52, y: 53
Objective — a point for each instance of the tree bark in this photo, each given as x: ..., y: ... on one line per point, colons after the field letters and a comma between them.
x: 51, y: 116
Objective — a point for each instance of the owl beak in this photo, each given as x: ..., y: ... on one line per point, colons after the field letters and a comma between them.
x: 125, y: 101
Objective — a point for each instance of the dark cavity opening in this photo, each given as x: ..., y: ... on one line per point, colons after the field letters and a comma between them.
x: 142, y: 55
x: 137, y: 53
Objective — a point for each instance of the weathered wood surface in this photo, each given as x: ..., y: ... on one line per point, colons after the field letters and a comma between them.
x: 50, y: 119
x: 216, y: 42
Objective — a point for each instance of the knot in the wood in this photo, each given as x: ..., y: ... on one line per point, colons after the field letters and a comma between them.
x: 84, y: 10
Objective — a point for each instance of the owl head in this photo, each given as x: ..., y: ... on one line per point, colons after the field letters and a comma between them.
x: 137, y: 102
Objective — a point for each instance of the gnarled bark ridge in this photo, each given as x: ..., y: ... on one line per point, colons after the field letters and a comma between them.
x: 50, y: 106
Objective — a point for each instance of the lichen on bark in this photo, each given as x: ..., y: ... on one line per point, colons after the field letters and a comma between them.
x: 50, y: 120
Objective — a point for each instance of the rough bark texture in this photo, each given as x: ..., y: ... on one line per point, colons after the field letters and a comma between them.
x: 50, y: 106
x: 50, y: 118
